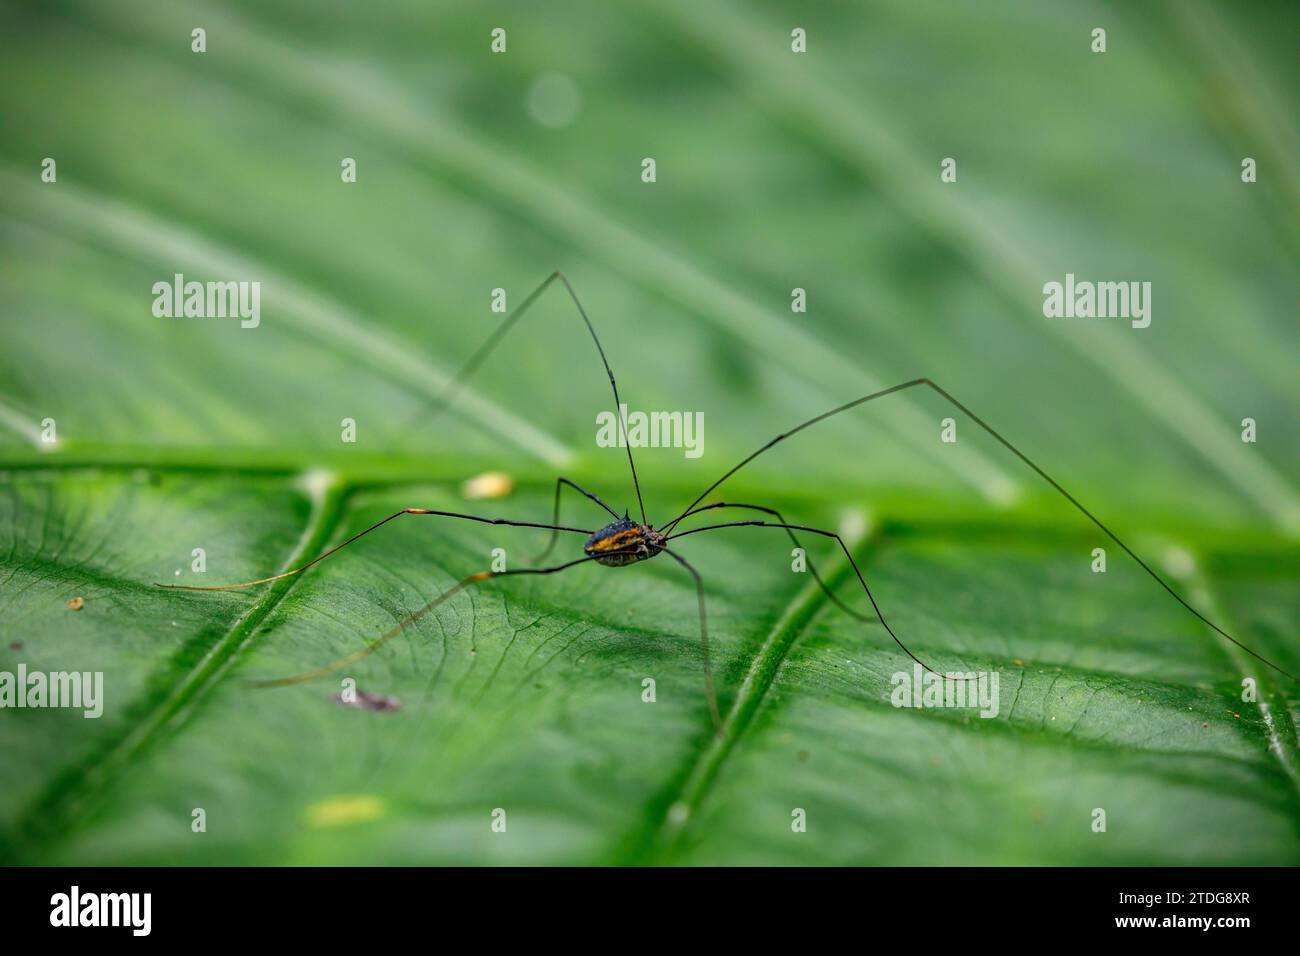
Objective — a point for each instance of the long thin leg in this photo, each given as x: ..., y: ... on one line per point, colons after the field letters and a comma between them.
x: 408, y: 621
x: 783, y: 436
x: 704, y: 641
x: 359, y: 534
x: 781, y: 518
x: 555, y: 519
x: 493, y: 340
x: 1019, y: 454
x: 847, y: 553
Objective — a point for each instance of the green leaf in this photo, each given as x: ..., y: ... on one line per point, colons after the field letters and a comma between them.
x: 526, y: 695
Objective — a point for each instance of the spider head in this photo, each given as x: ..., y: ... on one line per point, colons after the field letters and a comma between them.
x: 654, y: 540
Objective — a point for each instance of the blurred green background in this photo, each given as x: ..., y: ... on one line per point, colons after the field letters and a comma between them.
x: 775, y: 170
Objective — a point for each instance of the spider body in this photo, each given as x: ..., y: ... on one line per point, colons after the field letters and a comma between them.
x: 623, y: 542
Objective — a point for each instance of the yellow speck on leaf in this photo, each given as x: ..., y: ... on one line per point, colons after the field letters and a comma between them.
x: 76, y: 603
x: 490, y: 484
x: 340, y: 811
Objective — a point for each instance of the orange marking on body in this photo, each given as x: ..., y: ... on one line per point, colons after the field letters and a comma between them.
x: 617, y: 541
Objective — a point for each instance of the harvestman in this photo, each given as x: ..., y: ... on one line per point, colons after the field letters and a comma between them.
x: 625, y: 541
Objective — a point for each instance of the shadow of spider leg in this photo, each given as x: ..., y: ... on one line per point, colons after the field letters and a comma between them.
x: 704, y: 639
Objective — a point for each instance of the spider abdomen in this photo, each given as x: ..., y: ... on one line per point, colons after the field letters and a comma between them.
x: 623, y: 542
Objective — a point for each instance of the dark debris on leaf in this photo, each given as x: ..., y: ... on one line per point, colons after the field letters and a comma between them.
x: 379, y: 703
